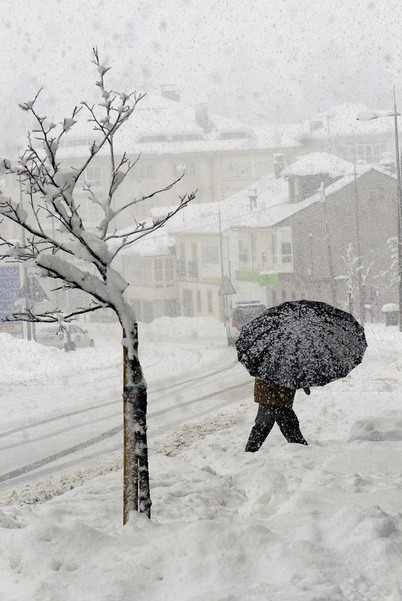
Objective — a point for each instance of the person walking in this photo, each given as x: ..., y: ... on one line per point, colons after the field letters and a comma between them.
x: 275, y: 405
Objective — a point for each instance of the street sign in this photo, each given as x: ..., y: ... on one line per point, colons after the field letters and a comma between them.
x: 9, y: 287
x: 226, y: 287
x: 32, y: 291
x: 262, y: 278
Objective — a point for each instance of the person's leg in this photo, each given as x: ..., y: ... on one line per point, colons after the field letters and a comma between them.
x: 264, y: 422
x: 288, y: 424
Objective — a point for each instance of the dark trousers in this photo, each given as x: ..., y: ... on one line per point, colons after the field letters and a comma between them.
x: 267, y: 415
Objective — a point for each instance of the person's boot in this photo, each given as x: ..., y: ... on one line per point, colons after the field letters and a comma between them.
x: 288, y: 424
x: 264, y: 422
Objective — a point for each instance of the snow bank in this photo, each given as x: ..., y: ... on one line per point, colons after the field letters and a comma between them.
x: 29, y: 362
x: 377, y: 429
x: 294, y: 523
x: 301, y: 523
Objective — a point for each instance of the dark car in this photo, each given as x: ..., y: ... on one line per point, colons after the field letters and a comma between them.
x: 242, y: 314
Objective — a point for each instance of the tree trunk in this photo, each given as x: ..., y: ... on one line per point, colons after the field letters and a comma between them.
x: 136, y: 492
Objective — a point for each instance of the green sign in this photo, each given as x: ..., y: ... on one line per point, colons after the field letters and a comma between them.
x: 263, y: 279
x: 243, y: 275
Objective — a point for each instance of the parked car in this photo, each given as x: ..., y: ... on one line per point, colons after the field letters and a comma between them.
x: 242, y: 314
x: 71, y: 338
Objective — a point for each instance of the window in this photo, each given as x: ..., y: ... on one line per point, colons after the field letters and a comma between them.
x: 181, y: 262
x: 146, y: 272
x: 145, y: 171
x: 209, y: 301
x: 198, y: 301
x: 186, y: 137
x: 181, y: 268
x: 238, y: 168
x: 192, y: 266
x: 170, y: 308
x: 158, y: 273
x: 235, y: 135
x: 283, y: 295
x: 210, y: 253
x: 273, y: 249
x: 93, y: 177
x: 192, y: 269
x: 169, y: 272
x: 188, y: 303
x: 243, y: 254
x: 138, y: 271
x: 286, y: 252
x: 253, y: 244
x: 367, y: 151
x: 151, y: 139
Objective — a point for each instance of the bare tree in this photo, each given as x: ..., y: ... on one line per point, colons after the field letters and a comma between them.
x: 50, y: 191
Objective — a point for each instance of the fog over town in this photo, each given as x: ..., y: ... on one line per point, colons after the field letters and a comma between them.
x: 273, y: 64
x: 200, y: 207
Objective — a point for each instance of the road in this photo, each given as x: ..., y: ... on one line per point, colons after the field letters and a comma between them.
x: 59, y: 443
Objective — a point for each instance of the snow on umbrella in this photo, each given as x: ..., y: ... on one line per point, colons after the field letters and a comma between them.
x: 301, y: 343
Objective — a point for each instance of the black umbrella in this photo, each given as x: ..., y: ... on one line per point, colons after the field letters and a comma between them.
x: 301, y: 343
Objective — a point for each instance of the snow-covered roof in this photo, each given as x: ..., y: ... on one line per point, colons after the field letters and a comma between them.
x: 343, y: 120
x: 203, y: 218
x: 276, y: 214
x: 340, y: 120
x: 271, y: 206
x: 316, y: 163
x: 160, y: 125
x: 158, y: 244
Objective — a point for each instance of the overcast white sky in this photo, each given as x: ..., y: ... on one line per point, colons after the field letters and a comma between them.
x: 283, y: 59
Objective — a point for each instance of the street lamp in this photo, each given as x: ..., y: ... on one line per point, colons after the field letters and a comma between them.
x: 377, y: 115
x: 329, y: 247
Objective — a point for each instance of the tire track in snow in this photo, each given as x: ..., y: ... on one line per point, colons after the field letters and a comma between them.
x: 108, y: 403
x: 113, y: 431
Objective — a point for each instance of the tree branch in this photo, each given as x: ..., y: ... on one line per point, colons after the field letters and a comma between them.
x: 184, y: 201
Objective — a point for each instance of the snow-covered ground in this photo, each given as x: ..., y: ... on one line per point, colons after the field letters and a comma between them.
x: 289, y: 523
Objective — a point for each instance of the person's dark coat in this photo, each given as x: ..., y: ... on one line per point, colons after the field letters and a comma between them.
x: 268, y: 393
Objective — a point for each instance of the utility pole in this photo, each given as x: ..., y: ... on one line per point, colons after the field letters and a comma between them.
x: 362, y: 300
x: 329, y: 248
x: 377, y: 115
x: 399, y: 185
x: 224, y: 301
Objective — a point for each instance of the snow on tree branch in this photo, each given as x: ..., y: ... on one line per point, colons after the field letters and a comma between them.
x: 56, y: 233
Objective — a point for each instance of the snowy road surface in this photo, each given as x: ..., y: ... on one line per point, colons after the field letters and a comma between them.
x: 81, y: 416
